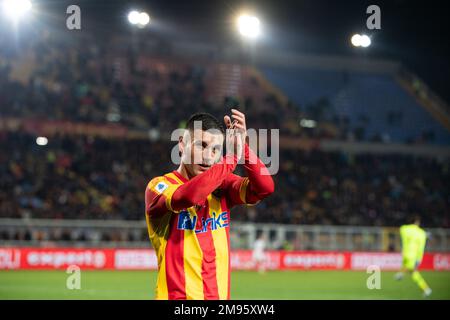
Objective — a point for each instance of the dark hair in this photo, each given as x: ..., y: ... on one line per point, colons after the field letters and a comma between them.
x: 415, y: 218
x: 207, y: 120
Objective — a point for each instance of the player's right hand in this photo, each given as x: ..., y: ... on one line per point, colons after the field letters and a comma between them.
x: 235, y: 138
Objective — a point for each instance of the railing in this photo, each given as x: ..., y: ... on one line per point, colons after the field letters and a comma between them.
x: 99, y: 233
x: 437, y: 107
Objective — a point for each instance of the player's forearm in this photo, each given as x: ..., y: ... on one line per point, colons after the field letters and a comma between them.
x: 197, y: 189
x: 261, y: 183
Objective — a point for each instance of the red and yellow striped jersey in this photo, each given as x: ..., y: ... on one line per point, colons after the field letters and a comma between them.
x: 193, y: 244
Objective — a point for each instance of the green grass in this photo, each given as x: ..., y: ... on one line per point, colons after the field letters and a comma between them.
x: 245, y: 285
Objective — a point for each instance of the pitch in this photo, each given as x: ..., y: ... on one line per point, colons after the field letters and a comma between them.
x: 341, y: 285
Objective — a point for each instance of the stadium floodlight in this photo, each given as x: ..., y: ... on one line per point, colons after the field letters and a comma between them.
x: 249, y: 26
x: 365, y: 41
x: 15, y: 9
x: 356, y: 40
x: 308, y: 123
x: 359, y: 40
x: 41, y: 141
x: 144, y: 19
x: 133, y: 17
x: 137, y: 18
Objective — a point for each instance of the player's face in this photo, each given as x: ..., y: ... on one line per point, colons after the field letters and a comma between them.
x: 203, y: 150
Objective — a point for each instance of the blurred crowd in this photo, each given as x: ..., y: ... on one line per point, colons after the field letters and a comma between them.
x: 96, y: 82
x: 77, y: 177
x: 80, y: 177
x: 123, y: 81
x: 89, y: 84
x: 365, y: 189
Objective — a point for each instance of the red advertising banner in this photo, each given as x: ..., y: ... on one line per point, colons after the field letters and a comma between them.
x: 145, y: 259
x: 304, y: 260
x: 54, y: 258
x: 243, y: 260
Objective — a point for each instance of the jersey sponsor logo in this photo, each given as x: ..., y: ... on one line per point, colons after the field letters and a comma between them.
x: 186, y: 222
x: 161, y: 186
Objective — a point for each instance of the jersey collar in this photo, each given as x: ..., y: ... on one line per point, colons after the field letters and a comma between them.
x: 179, y: 176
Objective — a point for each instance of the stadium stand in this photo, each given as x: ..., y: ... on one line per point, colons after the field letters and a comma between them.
x: 85, y: 178
x: 79, y: 176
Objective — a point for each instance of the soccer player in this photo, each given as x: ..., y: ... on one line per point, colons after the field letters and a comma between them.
x: 188, y: 210
x: 413, y: 245
x: 258, y: 254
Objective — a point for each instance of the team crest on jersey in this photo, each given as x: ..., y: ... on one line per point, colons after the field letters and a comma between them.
x: 217, y: 221
x: 161, y: 186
